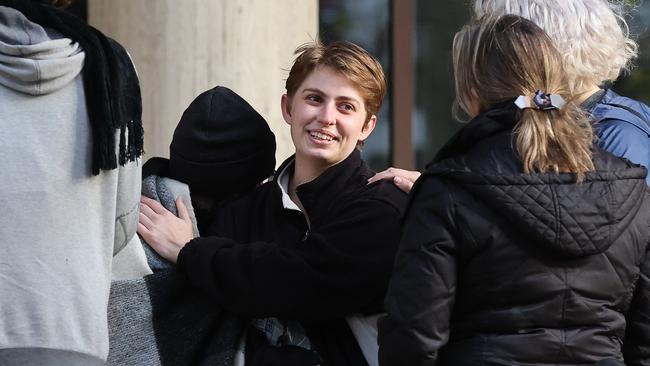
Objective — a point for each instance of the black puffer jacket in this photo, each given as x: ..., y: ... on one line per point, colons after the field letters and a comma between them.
x: 497, y: 267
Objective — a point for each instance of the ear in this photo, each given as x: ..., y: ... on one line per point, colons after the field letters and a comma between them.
x: 285, y: 105
x: 368, y: 127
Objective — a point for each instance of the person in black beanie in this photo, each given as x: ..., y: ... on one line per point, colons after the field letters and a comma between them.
x: 221, y: 148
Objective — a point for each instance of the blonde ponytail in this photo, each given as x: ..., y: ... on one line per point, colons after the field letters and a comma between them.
x: 555, y: 140
x: 497, y: 60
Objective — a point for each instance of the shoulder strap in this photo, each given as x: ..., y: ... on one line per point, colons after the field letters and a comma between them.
x: 617, y: 104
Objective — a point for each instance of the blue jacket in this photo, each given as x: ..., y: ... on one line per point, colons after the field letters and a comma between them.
x: 623, y: 127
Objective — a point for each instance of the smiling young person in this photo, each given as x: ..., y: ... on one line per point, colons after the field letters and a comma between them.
x: 308, y: 253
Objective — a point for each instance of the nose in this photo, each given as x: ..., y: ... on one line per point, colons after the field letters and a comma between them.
x: 327, y: 115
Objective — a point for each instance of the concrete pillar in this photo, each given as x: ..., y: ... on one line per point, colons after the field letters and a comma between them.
x: 182, y: 48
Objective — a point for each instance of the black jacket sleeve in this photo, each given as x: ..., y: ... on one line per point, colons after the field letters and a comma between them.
x: 636, y: 346
x: 421, y: 290
x: 339, y: 268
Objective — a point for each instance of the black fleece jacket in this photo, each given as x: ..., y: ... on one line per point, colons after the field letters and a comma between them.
x: 498, y: 267
x: 262, y: 260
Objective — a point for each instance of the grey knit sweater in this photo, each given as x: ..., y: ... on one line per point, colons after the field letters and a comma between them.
x: 157, y: 319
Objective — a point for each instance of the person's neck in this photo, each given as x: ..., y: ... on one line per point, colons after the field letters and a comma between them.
x: 584, y: 95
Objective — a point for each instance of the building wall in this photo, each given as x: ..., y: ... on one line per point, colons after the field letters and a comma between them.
x: 182, y: 48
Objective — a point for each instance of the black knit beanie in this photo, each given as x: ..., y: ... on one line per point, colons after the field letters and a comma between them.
x: 221, y: 145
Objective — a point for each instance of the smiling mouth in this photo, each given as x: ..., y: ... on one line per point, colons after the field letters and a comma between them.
x: 322, y: 136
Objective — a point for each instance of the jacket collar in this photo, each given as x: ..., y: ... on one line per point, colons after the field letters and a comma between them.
x: 593, y: 99
x: 283, y: 176
x: 498, y: 119
x: 614, y: 106
x: 334, y: 180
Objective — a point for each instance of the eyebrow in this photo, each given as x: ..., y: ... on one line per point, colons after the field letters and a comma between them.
x: 342, y: 97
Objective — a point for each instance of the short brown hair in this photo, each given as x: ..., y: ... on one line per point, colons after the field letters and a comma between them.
x: 354, y: 62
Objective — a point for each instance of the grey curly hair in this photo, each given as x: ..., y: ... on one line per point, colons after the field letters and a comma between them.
x: 591, y: 35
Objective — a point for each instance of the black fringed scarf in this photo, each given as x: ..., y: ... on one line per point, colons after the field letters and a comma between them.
x: 110, y: 83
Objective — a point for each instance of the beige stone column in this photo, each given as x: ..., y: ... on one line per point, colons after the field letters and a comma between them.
x: 182, y: 48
